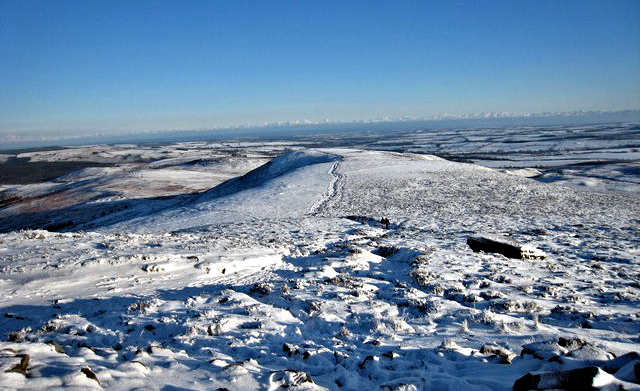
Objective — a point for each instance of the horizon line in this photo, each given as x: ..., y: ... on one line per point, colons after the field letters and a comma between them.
x: 32, y: 136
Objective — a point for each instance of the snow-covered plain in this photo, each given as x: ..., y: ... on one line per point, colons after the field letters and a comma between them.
x: 282, y: 277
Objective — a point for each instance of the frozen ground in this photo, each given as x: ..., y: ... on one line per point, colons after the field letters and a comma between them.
x: 283, y: 277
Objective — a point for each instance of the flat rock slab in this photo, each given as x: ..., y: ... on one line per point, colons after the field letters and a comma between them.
x: 508, y: 247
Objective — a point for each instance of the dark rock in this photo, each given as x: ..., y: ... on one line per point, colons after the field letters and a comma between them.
x: 613, y: 366
x: 289, y: 378
x: 251, y: 325
x: 580, y: 379
x: 571, y: 343
x: 385, y: 252
x: 590, y: 352
x: 14, y: 337
x: 503, y: 245
x: 367, y: 359
x: 57, y: 347
x: 90, y: 374
x: 629, y: 372
x: 543, y: 350
x: 22, y: 366
x: 290, y: 349
x: 149, y: 327
x: 506, y: 356
x: 390, y: 355
x: 262, y: 288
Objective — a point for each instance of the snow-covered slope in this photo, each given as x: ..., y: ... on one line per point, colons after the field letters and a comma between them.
x: 284, y: 278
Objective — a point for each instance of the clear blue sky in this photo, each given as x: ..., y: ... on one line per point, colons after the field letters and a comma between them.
x: 132, y: 65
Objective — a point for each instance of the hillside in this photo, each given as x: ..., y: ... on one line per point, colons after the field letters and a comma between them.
x: 283, y: 277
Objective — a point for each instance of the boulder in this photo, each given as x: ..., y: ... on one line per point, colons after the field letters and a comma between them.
x: 508, y: 247
x: 575, y: 379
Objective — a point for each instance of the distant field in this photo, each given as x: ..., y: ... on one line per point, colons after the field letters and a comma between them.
x: 19, y: 171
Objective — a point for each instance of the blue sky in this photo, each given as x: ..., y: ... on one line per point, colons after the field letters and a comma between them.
x: 72, y: 66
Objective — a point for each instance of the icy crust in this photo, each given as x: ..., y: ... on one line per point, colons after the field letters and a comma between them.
x: 280, y: 292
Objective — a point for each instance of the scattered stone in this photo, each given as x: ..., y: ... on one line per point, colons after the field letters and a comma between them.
x: 290, y: 349
x: 251, y: 325
x: 57, y: 347
x: 391, y: 355
x: 571, y: 343
x: 590, y: 352
x: 90, y: 374
x: 400, y: 385
x: 288, y: 378
x: 263, y: 288
x: 506, y: 356
x: 152, y: 268
x: 385, y: 252
x: 543, y: 350
x: 13, y: 337
x: 367, y: 359
x: 22, y: 366
x: 508, y: 247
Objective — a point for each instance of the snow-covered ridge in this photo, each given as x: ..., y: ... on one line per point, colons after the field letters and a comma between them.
x: 281, y: 165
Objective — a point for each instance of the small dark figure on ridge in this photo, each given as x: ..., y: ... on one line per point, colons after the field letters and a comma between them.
x: 385, y: 223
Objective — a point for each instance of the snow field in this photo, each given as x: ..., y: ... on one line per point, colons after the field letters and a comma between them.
x: 285, y: 279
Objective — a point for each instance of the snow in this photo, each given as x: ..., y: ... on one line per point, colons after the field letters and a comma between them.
x: 280, y: 275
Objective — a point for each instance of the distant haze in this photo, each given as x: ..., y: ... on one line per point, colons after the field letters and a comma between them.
x: 288, y: 130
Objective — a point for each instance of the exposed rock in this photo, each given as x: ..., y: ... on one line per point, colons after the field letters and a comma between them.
x: 508, y: 247
x: 367, y: 359
x: 288, y: 378
x: 262, y: 288
x: 543, y: 350
x: 385, y: 251
x: 590, y: 352
x: 90, y: 374
x: 152, y: 268
x: 615, y: 365
x: 582, y: 379
x: 630, y: 372
x: 571, y: 343
x: 57, y: 347
x: 506, y: 356
x: 404, y: 384
x: 290, y: 349
x: 22, y: 366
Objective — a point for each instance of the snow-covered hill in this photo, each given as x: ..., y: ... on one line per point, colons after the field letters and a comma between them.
x: 284, y: 277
